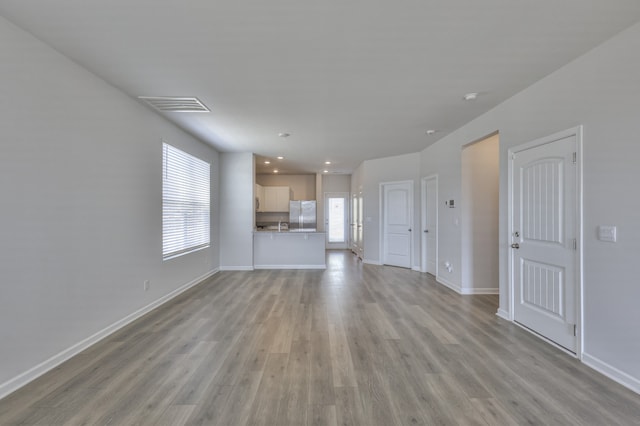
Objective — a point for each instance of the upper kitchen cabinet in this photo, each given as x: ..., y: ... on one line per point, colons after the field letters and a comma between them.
x: 259, y: 198
x: 303, y: 187
x: 276, y: 199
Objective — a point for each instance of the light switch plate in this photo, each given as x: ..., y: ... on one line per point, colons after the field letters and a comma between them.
x: 607, y: 233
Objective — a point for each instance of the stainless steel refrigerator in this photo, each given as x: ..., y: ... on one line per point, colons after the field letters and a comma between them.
x: 302, y: 215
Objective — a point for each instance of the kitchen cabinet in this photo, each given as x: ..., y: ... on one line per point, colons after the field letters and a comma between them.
x: 259, y: 193
x: 276, y: 198
x: 288, y: 250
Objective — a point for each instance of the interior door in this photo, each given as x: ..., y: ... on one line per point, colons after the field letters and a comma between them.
x: 430, y: 225
x: 360, y: 226
x: 354, y: 223
x: 336, y: 220
x: 397, y: 203
x: 544, y: 232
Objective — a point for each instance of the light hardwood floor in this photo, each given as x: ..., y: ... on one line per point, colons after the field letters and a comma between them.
x: 352, y: 345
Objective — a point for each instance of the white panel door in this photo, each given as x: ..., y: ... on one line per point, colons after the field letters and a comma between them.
x: 430, y: 225
x: 360, y: 226
x: 397, y: 207
x: 544, y: 240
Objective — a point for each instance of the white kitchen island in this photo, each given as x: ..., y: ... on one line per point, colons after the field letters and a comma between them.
x: 289, y: 250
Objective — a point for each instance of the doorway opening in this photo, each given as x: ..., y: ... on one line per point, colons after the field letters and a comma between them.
x: 357, y: 225
x: 429, y: 221
x: 336, y: 219
x: 480, y: 216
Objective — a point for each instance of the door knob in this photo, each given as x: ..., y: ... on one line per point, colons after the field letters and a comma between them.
x: 426, y: 231
x: 515, y: 245
x: 409, y: 229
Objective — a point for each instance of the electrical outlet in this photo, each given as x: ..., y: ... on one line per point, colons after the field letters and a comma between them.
x: 146, y: 285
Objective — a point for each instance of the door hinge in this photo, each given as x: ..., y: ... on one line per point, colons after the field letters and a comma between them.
x: 574, y: 330
x: 575, y: 244
x: 575, y: 157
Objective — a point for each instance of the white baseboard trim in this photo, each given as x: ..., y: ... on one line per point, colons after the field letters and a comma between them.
x: 479, y: 291
x: 590, y: 361
x: 611, y: 372
x: 449, y: 284
x: 371, y: 262
x: 547, y: 340
x: 416, y: 268
x: 323, y: 266
x: 237, y: 268
x: 21, y: 380
x: 466, y: 291
x: 503, y: 314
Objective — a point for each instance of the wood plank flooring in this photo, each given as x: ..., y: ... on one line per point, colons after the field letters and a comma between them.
x: 351, y: 345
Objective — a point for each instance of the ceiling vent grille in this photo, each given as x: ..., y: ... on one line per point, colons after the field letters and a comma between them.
x: 175, y: 104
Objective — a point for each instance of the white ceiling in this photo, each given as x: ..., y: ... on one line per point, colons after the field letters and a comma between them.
x: 350, y: 80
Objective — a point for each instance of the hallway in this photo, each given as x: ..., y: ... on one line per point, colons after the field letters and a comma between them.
x: 350, y: 345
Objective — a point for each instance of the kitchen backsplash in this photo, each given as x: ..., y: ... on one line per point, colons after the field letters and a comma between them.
x: 264, y: 217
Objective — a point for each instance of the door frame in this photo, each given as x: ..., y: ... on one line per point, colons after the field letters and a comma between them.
x: 381, y: 240
x: 577, y: 132
x: 353, y: 222
x: 423, y: 222
x: 347, y: 220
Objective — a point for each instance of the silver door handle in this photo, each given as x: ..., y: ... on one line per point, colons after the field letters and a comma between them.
x: 515, y: 245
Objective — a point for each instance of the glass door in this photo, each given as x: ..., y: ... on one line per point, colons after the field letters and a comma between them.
x: 336, y: 220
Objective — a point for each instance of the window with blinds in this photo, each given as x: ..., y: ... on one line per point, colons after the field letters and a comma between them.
x: 185, y: 203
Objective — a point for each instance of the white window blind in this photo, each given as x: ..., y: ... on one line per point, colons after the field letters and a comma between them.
x: 185, y: 202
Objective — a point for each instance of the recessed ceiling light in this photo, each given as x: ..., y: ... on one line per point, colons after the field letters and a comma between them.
x: 327, y: 162
x: 325, y: 171
x: 284, y: 134
x: 275, y: 171
x: 281, y: 158
x: 470, y: 96
x: 267, y: 162
x: 431, y: 131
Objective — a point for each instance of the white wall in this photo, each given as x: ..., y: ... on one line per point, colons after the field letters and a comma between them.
x: 600, y: 90
x: 81, y: 185
x: 237, y: 210
x: 319, y: 204
x: 373, y: 173
x: 444, y: 159
x: 336, y: 183
x: 479, y: 219
x: 357, y: 179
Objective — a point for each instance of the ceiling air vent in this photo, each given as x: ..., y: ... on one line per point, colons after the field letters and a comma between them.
x: 173, y: 104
